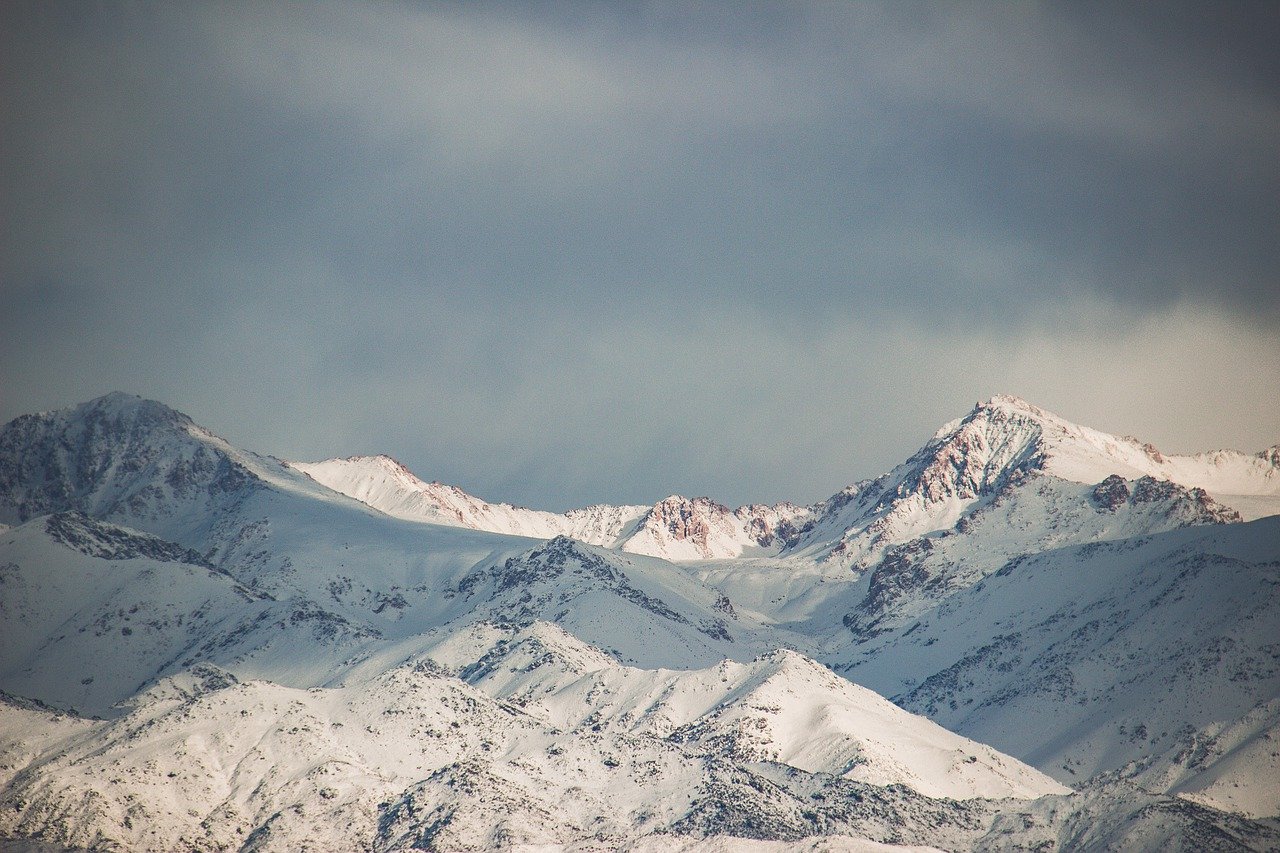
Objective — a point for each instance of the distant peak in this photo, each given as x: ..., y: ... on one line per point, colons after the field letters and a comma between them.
x: 681, y: 503
x: 121, y: 400
x: 996, y: 410
x: 126, y: 408
x: 1010, y: 402
x: 114, y: 398
x: 380, y: 459
x: 1008, y: 411
x: 365, y: 466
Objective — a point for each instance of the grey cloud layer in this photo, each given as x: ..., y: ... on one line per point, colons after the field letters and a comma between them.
x: 590, y: 254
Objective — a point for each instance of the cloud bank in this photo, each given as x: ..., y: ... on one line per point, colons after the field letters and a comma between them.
x: 584, y: 254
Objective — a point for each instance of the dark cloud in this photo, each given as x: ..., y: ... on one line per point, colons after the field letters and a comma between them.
x: 586, y: 253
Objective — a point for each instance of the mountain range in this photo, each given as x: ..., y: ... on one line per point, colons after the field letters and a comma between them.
x: 1028, y: 634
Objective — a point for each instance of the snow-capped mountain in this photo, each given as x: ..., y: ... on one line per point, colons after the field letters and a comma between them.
x: 388, y: 486
x: 1000, y: 443
x: 676, y: 528
x: 501, y: 737
x: 120, y: 457
x: 1030, y: 513
x: 276, y: 744
x: 1157, y: 656
x: 340, y: 655
x: 679, y: 528
x: 779, y: 707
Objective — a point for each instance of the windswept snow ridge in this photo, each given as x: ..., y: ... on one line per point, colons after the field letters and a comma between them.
x: 388, y: 486
x: 675, y: 528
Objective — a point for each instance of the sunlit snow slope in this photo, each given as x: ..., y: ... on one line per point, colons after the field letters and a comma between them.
x: 339, y: 655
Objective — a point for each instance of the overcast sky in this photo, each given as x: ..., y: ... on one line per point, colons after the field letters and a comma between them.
x: 598, y: 253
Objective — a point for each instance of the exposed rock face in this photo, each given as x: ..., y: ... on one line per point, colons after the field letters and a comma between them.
x: 1152, y: 451
x: 1187, y: 506
x: 1006, y: 443
x: 676, y: 527
x: 1111, y: 493
x: 995, y: 440
x: 699, y: 528
x: 966, y: 463
x: 108, y: 542
x: 683, y: 519
x: 1030, y: 513
x: 770, y: 525
x: 1195, y: 506
x: 116, y: 457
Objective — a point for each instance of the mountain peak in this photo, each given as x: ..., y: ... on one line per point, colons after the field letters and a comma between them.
x: 1010, y: 401
x: 1082, y: 454
x: 119, y: 406
x: 115, y: 398
x: 999, y: 409
x: 701, y: 503
x: 1009, y: 407
x: 380, y: 462
x: 120, y: 457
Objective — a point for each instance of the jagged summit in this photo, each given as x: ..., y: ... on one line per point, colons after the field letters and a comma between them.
x: 118, y: 456
x: 1001, y: 442
x: 130, y: 460
x: 1007, y: 403
x: 115, y: 409
x: 700, y: 528
x: 1082, y: 454
x: 109, y: 454
x: 781, y: 706
x: 1010, y: 401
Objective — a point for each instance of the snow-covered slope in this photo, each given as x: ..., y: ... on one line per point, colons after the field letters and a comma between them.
x: 498, y: 737
x: 637, y: 607
x: 388, y: 486
x: 675, y: 528
x: 1029, y: 514
x: 91, y: 612
x: 1085, y: 455
x: 1157, y: 656
x: 300, y: 650
x: 779, y: 707
x: 541, y: 740
x: 999, y: 443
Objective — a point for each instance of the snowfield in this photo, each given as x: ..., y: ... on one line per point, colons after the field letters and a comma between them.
x: 1029, y: 634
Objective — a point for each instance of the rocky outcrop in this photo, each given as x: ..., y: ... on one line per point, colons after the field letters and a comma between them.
x: 117, y: 457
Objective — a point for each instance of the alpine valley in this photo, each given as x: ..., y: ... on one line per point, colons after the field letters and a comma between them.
x: 1028, y: 635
